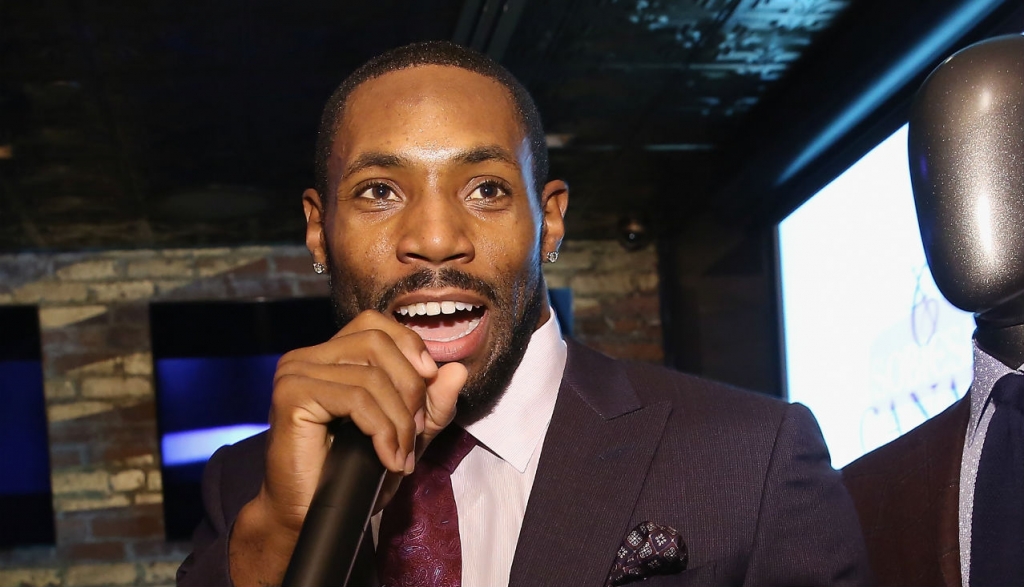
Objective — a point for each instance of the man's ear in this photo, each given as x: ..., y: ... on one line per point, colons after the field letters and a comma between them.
x: 312, y: 206
x: 554, y: 200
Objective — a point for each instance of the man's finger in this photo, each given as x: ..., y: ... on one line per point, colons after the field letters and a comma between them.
x: 407, y: 341
x: 371, y: 348
x: 366, y: 397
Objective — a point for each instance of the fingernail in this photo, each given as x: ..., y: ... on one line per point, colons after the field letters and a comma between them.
x: 420, y: 418
x: 410, y: 463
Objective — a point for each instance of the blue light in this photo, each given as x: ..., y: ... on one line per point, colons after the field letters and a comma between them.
x: 933, y: 45
x: 196, y: 446
x: 208, y: 402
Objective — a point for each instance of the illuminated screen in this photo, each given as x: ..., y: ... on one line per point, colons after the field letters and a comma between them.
x: 871, y: 346
x: 26, y: 500
x: 213, y: 365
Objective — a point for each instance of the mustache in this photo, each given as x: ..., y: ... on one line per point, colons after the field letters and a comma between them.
x: 427, y: 279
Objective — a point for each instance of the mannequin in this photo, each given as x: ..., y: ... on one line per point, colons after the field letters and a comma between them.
x: 915, y: 495
x: 967, y: 167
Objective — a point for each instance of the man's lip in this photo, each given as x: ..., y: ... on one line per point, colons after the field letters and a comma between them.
x: 460, y: 348
x: 438, y: 295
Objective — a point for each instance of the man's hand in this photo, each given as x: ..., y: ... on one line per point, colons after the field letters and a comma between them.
x: 375, y: 372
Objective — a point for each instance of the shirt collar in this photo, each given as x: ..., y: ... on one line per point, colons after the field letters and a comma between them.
x: 987, y: 370
x: 520, y: 419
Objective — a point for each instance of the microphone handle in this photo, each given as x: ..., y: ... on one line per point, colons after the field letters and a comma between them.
x: 339, y: 513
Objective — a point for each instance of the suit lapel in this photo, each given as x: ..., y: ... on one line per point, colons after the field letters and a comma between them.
x: 949, y: 479
x: 598, y: 448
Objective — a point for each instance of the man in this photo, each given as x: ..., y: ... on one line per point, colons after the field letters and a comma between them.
x: 433, y: 212
x: 942, y: 505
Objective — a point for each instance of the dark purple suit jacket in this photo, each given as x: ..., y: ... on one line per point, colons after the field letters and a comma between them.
x: 745, y: 479
x: 907, y: 494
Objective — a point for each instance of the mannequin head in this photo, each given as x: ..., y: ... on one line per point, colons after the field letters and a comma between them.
x: 967, y: 168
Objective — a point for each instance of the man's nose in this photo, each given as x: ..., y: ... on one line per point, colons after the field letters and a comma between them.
x: 435, y: 230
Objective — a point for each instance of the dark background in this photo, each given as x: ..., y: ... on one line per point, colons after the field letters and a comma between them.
x: 700, y: 123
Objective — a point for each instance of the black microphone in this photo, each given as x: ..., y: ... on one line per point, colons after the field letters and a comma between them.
x: 352, y: 476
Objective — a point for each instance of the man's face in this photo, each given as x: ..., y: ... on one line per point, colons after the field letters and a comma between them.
x: 431, y: 218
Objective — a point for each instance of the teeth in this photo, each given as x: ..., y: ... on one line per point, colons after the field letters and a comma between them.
x: 469, y: 328
x: 434, y: 308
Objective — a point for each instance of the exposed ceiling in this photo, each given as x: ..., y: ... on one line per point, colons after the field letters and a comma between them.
x: 168, y: 123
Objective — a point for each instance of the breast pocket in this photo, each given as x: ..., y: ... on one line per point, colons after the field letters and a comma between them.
x: 703, y: 575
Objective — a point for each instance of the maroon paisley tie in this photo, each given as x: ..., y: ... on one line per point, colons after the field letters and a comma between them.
x: 419, y: 544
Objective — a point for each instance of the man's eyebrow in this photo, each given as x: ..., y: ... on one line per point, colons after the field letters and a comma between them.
x: 487, y: 153
x: 374, y: 159
x: 470, y: 156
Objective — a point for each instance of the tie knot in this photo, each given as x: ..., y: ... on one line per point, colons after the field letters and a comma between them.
x: 449, y: 448
x: 1009, y: 391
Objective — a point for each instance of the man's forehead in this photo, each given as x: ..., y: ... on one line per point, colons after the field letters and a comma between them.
x: 418, y: 77
x: 453, y: 88
x: 430, y: 111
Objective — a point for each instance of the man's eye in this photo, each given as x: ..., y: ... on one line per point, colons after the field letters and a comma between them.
x: 487, y: 191
x: 379, y: 191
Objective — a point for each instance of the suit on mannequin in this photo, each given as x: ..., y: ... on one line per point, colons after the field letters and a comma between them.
x: 915, y: 496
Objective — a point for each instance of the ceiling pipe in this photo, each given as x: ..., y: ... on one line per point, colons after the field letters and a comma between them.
x: 934, y: 45
x: 802, y: 138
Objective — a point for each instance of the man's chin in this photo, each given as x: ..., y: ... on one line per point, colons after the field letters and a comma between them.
x: 489, y: 378
x: 476, y: 403
x: 489, y: 381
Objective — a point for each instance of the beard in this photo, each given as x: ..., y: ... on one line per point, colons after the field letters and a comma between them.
x: 515, y: 304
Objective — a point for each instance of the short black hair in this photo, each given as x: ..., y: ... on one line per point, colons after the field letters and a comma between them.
x: 431, y: 53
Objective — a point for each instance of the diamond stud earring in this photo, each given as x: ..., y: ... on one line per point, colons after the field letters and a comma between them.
x: 319, y: 268
x: 552, y: 256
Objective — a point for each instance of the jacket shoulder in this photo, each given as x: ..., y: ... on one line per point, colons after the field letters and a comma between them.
x: 939, y: 437
x: 234, y: 474
x: 720, y: 401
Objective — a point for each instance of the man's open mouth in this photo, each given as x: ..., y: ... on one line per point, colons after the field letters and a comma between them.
x: 441, y: 321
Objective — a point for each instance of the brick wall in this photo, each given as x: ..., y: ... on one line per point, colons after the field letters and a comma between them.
x: 93, y: 310
x: 615, y: 297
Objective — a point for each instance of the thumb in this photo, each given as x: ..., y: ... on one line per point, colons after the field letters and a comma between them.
x: 442, y: 394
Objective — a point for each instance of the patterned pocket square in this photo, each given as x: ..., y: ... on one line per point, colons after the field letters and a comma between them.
x: 648, y: 550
